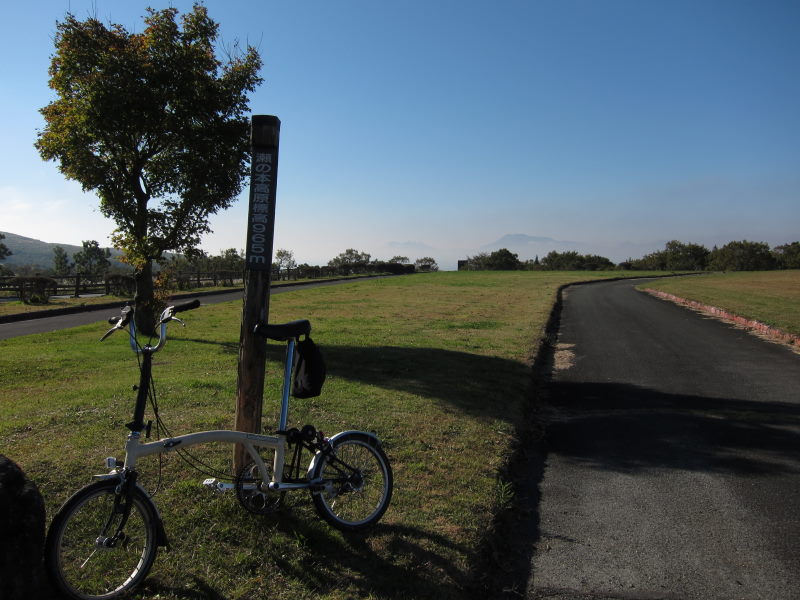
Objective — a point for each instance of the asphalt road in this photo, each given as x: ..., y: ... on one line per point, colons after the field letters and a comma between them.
x: 673, y: 459
x: 56, y: 323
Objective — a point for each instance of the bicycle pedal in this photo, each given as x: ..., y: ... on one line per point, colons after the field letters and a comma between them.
x: 217, y: 486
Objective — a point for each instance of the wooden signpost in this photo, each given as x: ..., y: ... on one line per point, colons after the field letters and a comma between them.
x: 265, y: 137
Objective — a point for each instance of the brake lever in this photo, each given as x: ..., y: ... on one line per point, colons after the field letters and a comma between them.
x: 112, y: 330
x: 119, y: 322
x: 108, y: 333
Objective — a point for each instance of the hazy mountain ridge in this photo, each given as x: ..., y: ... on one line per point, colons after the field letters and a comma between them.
x: 36, y: 253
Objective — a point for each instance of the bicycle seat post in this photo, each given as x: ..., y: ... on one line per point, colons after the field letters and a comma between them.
x: 287, y: 384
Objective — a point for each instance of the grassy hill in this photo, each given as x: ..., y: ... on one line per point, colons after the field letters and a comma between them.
x: 35, y: 253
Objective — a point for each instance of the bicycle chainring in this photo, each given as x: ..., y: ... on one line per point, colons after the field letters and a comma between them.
x: 253, y: 493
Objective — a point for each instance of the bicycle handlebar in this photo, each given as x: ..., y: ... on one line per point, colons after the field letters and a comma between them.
x: 167, y: 315
x: 191, y: 305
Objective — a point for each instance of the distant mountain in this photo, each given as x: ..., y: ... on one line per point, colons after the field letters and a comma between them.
x: 36, y: 253
x: 521, y: 239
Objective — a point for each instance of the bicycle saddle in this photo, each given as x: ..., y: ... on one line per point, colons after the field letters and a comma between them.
x: 283, y: 331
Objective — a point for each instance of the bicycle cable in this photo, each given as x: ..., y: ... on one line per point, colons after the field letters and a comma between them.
x: 191, y: 460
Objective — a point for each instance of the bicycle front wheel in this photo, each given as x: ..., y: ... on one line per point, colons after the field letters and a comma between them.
x: 357, y: 482
x: 88, y: 555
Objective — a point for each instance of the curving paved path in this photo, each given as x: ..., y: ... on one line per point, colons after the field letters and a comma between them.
x: 673, y: 458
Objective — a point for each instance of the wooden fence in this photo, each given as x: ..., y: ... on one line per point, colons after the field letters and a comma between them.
x: 82, y: 285
x: 123, y: 285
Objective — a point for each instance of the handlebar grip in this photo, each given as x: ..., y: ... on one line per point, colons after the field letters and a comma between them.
x: 186, y: 306
x: 123, y: 320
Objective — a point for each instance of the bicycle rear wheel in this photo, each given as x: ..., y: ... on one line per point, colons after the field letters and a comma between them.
x: 88, y: 556
x: 357, y: 482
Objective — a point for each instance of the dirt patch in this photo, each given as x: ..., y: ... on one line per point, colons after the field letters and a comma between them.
x: 563, y: 357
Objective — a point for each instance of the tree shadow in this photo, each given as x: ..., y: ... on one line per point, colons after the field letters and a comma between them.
x: 480, y: 387
x: 227, y: 347
x: 472, y: 383
x: 626, y: 428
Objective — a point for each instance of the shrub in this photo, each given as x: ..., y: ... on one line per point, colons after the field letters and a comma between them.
x: 35, y: 290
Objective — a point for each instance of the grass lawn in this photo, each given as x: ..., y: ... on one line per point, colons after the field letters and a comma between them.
x: 772, y: 297
x: 437, y: 364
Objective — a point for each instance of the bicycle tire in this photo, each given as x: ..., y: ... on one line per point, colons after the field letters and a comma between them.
x: 76, y: 563
x: 357, y: 482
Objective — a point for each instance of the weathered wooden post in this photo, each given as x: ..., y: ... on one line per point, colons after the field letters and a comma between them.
x: 265, y: 136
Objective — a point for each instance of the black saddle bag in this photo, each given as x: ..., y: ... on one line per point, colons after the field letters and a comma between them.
x: 309, y: 370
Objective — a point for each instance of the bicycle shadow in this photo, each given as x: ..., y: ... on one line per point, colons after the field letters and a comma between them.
x: 347, y: 562
x: 419, y: 570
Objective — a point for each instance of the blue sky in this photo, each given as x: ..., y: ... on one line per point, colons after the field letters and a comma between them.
x: 435, y: 128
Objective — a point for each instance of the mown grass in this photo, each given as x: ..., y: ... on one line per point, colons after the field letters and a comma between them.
x: 438, y: 365
x: 772, y: 297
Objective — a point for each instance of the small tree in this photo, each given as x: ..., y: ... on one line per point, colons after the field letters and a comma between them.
x: 569, y: 260
x: 479, y: 262
x: 61, y: 265
x: 350, y: 261
x: 92, y: 260
x: 229, y: 260
x: 400, y: 260
x: 155, y: 124
x: 503, y: 260
x: 284, y: 259
x: 426, y: 263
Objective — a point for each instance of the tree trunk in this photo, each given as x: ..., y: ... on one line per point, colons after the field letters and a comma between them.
x: 145, y: 300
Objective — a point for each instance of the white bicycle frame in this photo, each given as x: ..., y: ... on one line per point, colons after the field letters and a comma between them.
x: 136, y: 449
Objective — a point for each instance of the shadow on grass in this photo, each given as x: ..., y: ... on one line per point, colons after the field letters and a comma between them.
x: 471, y: 382
x: 399, y: 561
x: 227, y: 347
x: 408, y: 563
x: 479, y: 385
x: 331, y: 563
x: 487, y: 388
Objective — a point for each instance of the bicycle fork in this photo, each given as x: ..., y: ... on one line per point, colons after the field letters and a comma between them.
x: 123, y: 504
